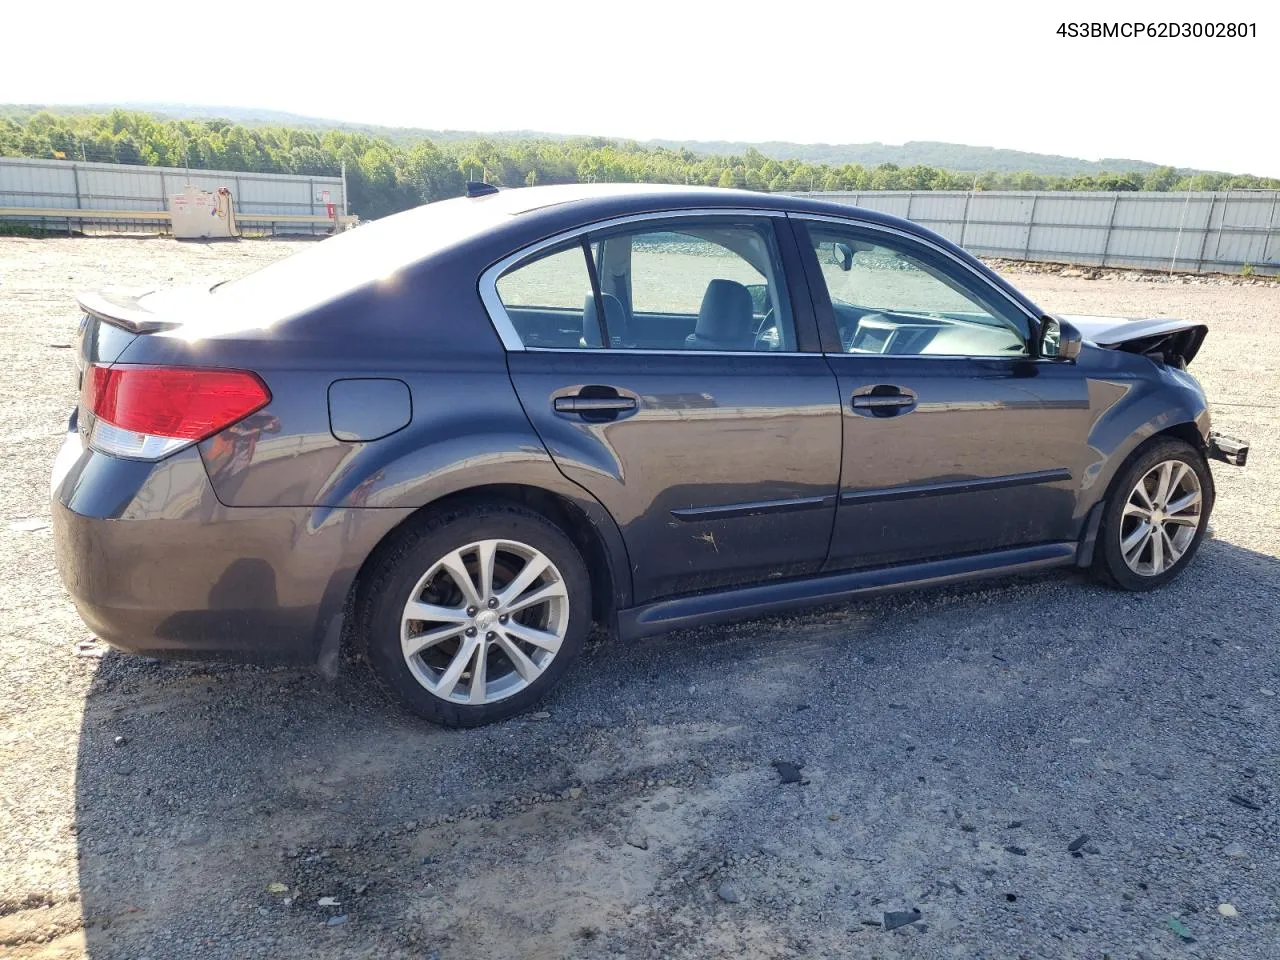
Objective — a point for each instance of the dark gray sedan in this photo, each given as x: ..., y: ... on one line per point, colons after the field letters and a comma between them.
x: 460, y: 435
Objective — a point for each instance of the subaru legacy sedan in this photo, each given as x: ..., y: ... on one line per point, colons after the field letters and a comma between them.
x: 458, y: 436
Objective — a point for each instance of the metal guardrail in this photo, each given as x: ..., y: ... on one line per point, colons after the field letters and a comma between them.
x: 33, y: 190
x: 72, y: 216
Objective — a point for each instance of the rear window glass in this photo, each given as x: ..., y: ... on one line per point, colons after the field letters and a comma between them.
x: 371, y: 252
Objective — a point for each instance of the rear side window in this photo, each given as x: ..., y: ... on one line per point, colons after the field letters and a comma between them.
x: 670, y: 271
x: 697, y: 284
x: 549, y: 298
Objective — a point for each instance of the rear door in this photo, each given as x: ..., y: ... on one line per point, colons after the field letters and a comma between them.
x: 956, y: 440
x: 701, y: 412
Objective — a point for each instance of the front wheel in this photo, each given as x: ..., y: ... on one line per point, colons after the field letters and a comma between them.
x: 1156, y: 517
x: 473, y: 616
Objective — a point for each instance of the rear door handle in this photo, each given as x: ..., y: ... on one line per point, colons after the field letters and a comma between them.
x: 594, y: 404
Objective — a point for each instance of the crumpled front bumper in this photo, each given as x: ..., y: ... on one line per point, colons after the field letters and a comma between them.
x: 1228, y: 449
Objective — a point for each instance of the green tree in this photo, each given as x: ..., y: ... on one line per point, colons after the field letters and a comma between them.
x: 385, y: 176
x: 1161, y: 178
x: 887, y: 176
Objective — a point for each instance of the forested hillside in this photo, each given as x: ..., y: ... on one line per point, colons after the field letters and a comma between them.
x: 385, y: 176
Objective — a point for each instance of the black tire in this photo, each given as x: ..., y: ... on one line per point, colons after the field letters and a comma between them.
x: 1109, y: 564
x: 386, y: 587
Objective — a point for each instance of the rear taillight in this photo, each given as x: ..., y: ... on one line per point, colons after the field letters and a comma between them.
x: 149, y: 412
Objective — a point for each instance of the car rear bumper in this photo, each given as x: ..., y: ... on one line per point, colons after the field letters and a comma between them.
x: 156, y: 564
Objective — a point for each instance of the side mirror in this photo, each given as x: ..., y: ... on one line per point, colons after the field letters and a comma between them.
x: 1059, y: 340
x: 842, y: 256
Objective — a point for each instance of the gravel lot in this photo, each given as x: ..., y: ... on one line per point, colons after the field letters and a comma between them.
x: 954, y: 744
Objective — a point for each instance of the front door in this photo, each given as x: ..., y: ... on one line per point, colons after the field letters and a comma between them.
x: 955, y: 440
x: 694, y: 412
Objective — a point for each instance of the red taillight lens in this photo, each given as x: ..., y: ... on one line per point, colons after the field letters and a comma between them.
x: 185, y: 404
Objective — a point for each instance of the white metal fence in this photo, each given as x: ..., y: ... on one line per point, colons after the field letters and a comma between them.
x: 78, y: 195
x: 1228, y: 232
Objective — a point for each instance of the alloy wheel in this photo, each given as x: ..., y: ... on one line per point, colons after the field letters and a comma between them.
x: 1161, y: 518
x: 484, y: 621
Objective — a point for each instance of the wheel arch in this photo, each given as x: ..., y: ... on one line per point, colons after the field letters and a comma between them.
x: 588, y: 525
x: 1188, y: 431
x: 1135, y: 412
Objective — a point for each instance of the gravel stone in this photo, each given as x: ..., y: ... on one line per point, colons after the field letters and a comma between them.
x: 638, y: 840
x: 1144, y: 709
x: 728, y: 893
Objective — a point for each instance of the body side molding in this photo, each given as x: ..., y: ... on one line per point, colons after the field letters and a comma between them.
x: 912, y: 490
x: 764, y: 600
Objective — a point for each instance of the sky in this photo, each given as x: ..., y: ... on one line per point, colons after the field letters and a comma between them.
x: 990, y: 73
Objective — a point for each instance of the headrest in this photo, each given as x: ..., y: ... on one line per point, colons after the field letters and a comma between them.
x: 615, y: 319
x: 726, y: 313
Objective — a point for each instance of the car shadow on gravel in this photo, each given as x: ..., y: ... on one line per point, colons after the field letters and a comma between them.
x: 216, y: 805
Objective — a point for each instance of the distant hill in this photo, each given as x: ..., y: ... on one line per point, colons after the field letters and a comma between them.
x: 931, y: 153
x: 950, y: 156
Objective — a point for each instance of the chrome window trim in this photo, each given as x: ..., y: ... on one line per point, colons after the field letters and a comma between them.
x: 1033, y: 321
x: 597, y: 351
x: 506, y: 330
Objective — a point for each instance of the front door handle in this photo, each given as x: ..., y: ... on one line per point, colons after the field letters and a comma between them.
x: 883, y: 400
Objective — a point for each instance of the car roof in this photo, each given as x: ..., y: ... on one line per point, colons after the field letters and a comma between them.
x: 500, y: 222
x: 486, y: 228
x: 594, y: 200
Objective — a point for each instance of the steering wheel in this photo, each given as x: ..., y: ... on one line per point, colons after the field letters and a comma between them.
x: 766, y: 333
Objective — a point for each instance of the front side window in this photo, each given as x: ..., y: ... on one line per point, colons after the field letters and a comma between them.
x: 695, y: 285
x: 549, y: 300
x: 889, y: 298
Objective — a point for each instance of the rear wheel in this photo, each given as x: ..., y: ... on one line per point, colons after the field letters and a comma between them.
x: 474, y: 615
x: 1156, y: 517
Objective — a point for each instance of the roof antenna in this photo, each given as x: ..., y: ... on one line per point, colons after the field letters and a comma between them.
x: 476, y: 188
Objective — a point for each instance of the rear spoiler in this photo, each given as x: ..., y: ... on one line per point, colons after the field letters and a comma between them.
x: 122, y: 310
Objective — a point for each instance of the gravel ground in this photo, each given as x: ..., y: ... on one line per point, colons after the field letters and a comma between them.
x: 955, y: 746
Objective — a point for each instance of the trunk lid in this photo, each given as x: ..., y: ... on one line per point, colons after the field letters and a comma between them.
x: 123, y: 310
x: 113, y: 319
